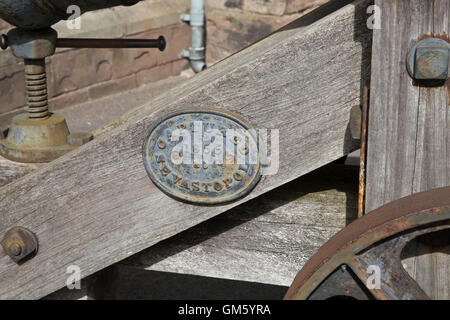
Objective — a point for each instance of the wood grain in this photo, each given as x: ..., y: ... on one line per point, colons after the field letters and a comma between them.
x: 409, y: 125
x: 10, y: 171
x: 266, y: 240
x: 96, y: 205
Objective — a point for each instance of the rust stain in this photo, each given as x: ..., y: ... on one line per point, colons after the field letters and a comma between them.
x: 443, y: 36
x: 363, y: 152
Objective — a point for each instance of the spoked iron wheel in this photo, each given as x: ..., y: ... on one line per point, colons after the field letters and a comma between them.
x: 344, y: 267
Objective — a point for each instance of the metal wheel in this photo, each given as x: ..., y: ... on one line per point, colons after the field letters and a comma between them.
x: 346, y: 265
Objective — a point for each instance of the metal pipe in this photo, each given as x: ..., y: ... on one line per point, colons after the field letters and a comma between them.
x: 196, y: 53
x: 159, y: 43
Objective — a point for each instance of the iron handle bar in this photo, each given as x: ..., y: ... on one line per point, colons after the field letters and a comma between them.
x: 159, y: 43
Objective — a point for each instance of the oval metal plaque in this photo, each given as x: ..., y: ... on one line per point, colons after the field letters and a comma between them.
x: 202, y: 156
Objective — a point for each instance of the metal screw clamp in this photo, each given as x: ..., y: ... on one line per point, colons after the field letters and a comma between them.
x: 39, y: 135
x: 428, y: 61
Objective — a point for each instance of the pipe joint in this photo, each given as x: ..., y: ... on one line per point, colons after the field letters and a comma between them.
x: 196, y: 52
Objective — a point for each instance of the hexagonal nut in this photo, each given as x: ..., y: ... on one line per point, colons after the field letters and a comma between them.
x: 431, y: 63
x: 79, y: 138
x: 32, y: 44
x: 20, y: 244
x: 428, y: 60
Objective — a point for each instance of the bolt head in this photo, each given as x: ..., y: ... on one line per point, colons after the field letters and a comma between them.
x: 20, y: 244
x: 428, y: 61
x: 431, y: 63
x: 15, y: 249
x: 32, y: 44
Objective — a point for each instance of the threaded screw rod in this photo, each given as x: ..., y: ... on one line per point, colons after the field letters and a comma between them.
x: 36, y: 85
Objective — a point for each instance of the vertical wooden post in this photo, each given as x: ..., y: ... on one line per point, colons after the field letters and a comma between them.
x: 409, y: 124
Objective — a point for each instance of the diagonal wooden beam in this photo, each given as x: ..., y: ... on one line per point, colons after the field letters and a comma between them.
x: 96, y: 206
x: 266, y: 240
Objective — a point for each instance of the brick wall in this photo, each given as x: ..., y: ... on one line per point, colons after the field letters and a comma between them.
x: 235, y: 24
x: 79, y: 75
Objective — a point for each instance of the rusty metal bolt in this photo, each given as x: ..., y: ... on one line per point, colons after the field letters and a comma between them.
x: 20, y: 244
x: 428, y: 60
x: 15, y: 249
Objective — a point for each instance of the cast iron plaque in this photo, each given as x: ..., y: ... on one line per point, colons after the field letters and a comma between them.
x: 202, y: 156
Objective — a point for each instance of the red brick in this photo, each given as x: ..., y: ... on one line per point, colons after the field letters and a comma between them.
x: 68, y: 99
x: 112, y: 86
x: 76, y: 69
x: 179, y: 66
x: 178, y: 38
x: 154, y: 74
x: 12, y: 88
x: 161, y: 72
x: 303, y: 6
x: 129, y: 61
x: 232, y: 30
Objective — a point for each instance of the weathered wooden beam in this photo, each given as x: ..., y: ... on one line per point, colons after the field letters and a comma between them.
x: 266, y: 240
x: 409, y: 124
x: 10, y: 171
x: 263, y: 241
x: 96, y: 206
